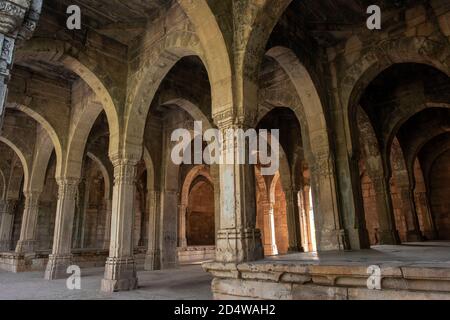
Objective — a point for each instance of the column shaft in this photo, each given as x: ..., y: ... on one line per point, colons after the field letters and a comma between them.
x: 8, y: 208
x: 28, y: 241
x: 61, y: 256
x: 153, y: 257
x: 120, y: 269
x: 387, y: 234
x: 238, y: 239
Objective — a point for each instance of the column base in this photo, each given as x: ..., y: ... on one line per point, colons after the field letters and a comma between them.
x: 271, y: 248
x: 152, y: 260
x: 414, y: 236
x: 358, y: 238
x: 389, y: 237
x: 331, y: 240
x: 295, y: 249
x: 120, y: 275
x: 57, y: 267
x: 26, y: 246
x: 5, y: 245
x: 239, y: 245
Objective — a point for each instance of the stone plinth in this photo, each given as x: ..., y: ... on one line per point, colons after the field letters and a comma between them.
x: 333, y: 277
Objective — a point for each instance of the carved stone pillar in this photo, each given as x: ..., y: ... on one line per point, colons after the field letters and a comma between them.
x: 27, y: 241
x: 18, y: 20
x: 7, y: 209
x: 153, y: 257
x: 61, y: 256
x: 120, y: 269
x: 108, y: 213
x: 293, y: 221
x: 330, y: 234
x: 387, y: 234
x: 238, y: 240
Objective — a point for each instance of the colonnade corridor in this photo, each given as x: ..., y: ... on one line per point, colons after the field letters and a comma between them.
x: 238, y: 149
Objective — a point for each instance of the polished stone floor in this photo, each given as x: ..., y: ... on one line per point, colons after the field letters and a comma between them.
x: 184, y: 283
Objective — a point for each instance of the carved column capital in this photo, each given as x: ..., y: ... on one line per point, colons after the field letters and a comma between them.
x: 67, y: 188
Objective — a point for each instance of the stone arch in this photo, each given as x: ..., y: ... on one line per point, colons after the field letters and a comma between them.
x: 25, y: 159
x: 199, y: 170
x: 409, y: 158
x: 148, y: 79
x: 216, y: 55
x: 262, y: 22
x: 79, y: 62
x: 389, y: 52
x: 105, y: 174
x: 77, y: 141
x: 433, y: 153
x: 49, y: 128
x: 150, y: 169
x: 40, y: 163
x: 192, y: 109
x: 398, y: 118
x: 312, y: 114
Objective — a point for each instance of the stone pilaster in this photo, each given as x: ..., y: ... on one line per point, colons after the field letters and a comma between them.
x: 7, y: 208
x: 238, y: 240
x: 120, y: 269
x: 330, y: 234
x: 61, y: 256
x: 27, y: 241
x: 153, y: 256
x: 387, y: 234
x: 182, y: 238
x: 108, y: 214
x: 293, y: 220
x: 410, y: 213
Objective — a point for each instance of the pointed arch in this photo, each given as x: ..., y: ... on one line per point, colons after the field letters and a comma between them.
x: 24, y: 160
x: 79, y: 62
x: 105, y: 174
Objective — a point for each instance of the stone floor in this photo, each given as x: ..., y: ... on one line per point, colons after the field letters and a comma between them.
x: 184, y: 283
x: 192, y: 283
x: 426, y: 254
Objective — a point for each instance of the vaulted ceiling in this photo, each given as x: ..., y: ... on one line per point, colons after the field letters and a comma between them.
x: 116, y: 19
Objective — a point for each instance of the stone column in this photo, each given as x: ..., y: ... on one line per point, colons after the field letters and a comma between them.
x: 270, y: 242
x: 409, y: 211
x: 182, y: 239
x: 61, y: 256
x: 153, y: 257
x: 120, y: 269
x: 27, y: 242
x: 387, y: 234
x: 7, y: 208
x: 329, y: 232
x: 238, y: 240
x: 18, y: 20
x: 108, y: 213
x: 304, y: 214
x: 430, y: 231
x: 293, y: 220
